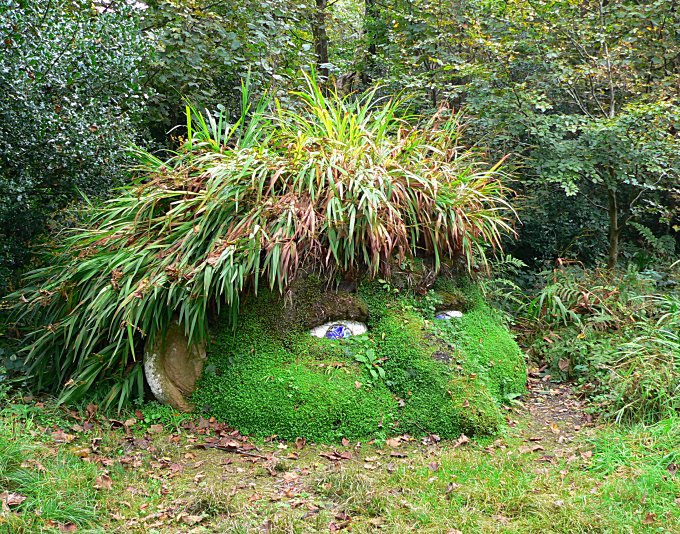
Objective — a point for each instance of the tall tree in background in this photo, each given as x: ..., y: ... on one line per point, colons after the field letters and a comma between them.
x: 584, y: 93
x: 318, y: 24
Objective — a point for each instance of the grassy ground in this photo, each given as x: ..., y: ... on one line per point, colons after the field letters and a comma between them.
x: 153, y: 471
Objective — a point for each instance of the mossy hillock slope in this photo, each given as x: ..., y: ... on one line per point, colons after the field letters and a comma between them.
x: 269, y: 376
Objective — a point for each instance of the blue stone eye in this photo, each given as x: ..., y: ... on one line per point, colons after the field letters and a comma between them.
x: 449, y: 314
x: 338, y: 331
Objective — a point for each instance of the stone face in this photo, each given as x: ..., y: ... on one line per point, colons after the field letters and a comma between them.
x: 289, y: 369
x: 172, y: 367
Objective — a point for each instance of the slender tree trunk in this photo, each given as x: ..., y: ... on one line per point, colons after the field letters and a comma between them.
x: 614, y: 229
x: 370, y: 18
x: 370, y: 34
x: 320, y: 38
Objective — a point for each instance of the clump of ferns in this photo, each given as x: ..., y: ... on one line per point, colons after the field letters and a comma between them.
x: 589, y: 299
x: 333, y: 185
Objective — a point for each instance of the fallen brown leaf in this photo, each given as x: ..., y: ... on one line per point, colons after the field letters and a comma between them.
x: 62, y: 437
x: 530, y: 448
x: 342, y: 516
x: 192, y: 519
x: 450, y: 489
x: 462, y: 440
x: 12, y: 499
x: 103, y: 482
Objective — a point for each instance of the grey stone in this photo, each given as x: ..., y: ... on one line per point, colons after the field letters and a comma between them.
x: 172, y: 367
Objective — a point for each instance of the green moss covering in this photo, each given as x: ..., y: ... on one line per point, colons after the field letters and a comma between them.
x: 487, y: 347
x: 442, y: 377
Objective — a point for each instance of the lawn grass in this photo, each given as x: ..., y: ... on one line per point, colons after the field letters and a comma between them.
x: 148, y: 476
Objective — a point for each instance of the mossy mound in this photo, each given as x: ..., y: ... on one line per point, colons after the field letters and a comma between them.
x: 418, y: 375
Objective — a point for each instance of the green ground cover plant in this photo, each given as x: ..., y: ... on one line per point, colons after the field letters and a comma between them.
x: 56, y: 489
x: 271, y: 377
x: 608, y: 479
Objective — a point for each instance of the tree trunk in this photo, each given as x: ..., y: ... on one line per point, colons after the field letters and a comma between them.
x: 320, y: 38
x: 370, y: 19
x: 614, y: 229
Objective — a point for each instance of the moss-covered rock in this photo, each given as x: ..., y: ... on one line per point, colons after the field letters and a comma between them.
x: 409, y: 374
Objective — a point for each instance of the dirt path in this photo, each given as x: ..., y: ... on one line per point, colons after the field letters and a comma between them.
x: 551, y: 417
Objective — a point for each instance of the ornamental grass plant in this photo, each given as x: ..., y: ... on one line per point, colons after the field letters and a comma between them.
x: 334, y: 185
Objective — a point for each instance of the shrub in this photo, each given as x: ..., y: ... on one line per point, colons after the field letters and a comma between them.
x: 339, y: 185
x: 71, y: 97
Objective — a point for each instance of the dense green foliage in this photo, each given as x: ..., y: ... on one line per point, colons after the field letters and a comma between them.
x: 583, y: 93
x: 338, y: 186
x: 582, y: 96
x: 71, y: 97
x: 203, y: 49
x: 436, y: 377
x: 617, y: 337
